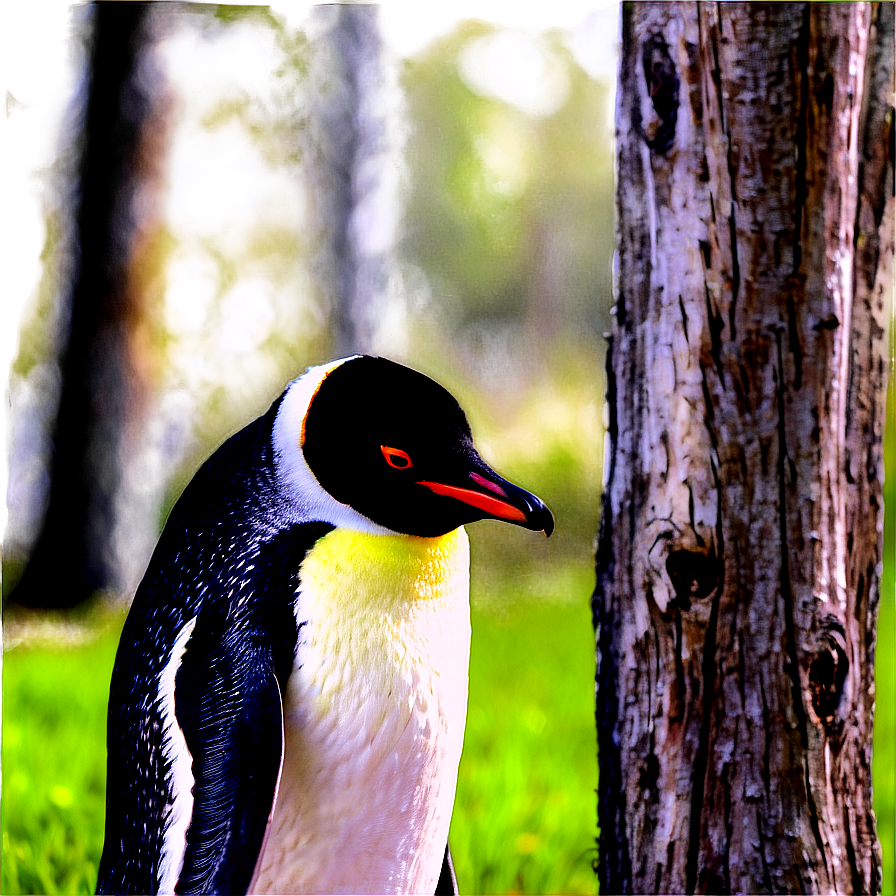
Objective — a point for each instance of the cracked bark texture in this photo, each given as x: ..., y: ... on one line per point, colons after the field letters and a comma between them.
x: 739, y: 557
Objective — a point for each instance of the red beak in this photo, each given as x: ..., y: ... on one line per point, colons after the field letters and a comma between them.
x: 503, y: 500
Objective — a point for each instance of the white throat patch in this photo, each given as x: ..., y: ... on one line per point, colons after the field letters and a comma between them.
x: 309, y: 499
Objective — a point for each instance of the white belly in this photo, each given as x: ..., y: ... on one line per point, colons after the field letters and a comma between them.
x: 374, y: 717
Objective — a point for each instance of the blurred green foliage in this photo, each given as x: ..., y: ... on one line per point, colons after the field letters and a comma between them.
x: 549, y: 439
x: 510, y: 214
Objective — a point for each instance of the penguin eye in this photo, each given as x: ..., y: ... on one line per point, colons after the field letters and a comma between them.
x: 397, y: 458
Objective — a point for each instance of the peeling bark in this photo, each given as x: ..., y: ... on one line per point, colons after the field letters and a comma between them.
x: 739, y: 557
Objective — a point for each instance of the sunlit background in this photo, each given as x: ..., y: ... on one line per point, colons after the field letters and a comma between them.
x: 488, y: 231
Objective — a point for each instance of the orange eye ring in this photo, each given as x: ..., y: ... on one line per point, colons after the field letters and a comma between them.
x: 396, y: 458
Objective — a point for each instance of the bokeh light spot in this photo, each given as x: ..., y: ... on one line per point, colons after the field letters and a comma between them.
x: 216, y: 180
x: 248, y: 316
x: 515, y: 66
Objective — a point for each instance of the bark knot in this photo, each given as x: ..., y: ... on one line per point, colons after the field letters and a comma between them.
x: 694, y: 574
x: 662, y: 82
x: 827, y: 676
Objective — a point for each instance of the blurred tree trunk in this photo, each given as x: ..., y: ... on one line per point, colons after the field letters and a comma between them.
x: 103, y: 359
x: 738, y: 563
x: 352, y: 167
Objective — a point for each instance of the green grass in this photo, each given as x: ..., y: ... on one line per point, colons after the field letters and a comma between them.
x: 884, y: 758
x: 54, y: 759
x: 524, y: 816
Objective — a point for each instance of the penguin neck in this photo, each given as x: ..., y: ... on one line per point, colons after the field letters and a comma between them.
x: 380, y: 685
x: 381, y: 614
x: 389, y: 573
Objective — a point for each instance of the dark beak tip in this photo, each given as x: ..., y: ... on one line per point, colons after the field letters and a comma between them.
x: 540, y: 518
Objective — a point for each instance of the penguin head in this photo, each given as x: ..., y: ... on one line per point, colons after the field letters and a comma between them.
x: 395, y: 447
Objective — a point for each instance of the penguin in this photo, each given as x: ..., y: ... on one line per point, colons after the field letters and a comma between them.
x: 288, y: 698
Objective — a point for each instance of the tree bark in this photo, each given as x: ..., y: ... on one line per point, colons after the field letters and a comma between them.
x: 738, y: 562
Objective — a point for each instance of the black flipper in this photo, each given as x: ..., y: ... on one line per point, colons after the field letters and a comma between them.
x: 447, y: 885
x: 229, y: 707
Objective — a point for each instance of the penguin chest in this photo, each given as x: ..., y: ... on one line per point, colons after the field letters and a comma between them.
x: 374, y: 716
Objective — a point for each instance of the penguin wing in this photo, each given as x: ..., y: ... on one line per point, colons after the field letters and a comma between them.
x: 228, y: 705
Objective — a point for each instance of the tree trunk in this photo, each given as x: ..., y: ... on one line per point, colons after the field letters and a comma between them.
x: 103, y: 360
x: 738, y: 563
x: 352, y: 166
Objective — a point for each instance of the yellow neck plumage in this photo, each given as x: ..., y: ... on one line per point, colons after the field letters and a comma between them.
x: 378, y: 605
x: 374, y: 715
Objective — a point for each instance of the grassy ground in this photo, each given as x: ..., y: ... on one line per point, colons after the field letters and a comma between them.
x: 884, y: 758
x: 524, y: 817
x: 524, y: 820
x: 54, y: 776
